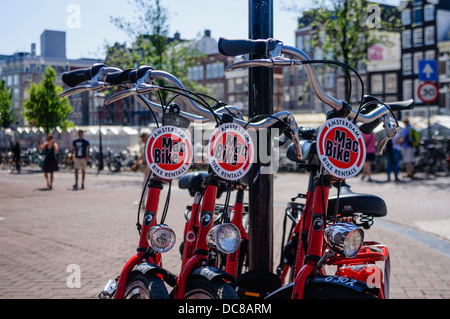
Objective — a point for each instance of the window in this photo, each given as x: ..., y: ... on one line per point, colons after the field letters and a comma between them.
x: 377, y: 83
x: 407, y: 65
x: 406, y: 17
x: 214, y: 70
x: 195, y: 73
x: 417, y: 57
x: 406, y: 39
x: 429, y: 35
x: 418, y: 37
x: 448, y: 67
x: 417, y: 15
x: 407, y: 89
x: 390, y: 80
x: 416, y: 92
x: 429, y: 12
x: 300, y: 43
x: 430, y: 55
x: 307, y: 43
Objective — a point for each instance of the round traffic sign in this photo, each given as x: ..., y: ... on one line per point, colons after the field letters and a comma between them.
x: 428, y: 92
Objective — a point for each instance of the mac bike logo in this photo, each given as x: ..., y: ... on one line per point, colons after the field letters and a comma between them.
x: 341, y: 148
x: 169, y: 152
x: 230, y: 151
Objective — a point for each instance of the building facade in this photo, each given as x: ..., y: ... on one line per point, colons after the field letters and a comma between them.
x: 425, y: 23
x: 21, y: 69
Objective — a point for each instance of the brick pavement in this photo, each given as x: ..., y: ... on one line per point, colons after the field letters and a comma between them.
x: 43, y: 233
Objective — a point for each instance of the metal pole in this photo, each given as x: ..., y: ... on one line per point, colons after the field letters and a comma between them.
x: 261, y: 185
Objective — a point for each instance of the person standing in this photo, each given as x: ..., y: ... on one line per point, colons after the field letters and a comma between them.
x: 370, y: 140
x: 16, y: 156
x: 394, y: 155
x: 50, y: 163
x: 408, y: 150
x: 80, y: 148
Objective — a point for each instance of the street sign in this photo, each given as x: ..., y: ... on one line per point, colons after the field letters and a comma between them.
x: 428, y: 92
x: 428, y: 70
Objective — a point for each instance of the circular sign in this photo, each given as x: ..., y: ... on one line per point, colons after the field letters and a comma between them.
x: 341, y: 148
x: 428, y: 92
x: 169, y: 152
x: 230, y: 151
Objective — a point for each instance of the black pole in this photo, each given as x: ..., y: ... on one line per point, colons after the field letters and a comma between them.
x: 261, y: 185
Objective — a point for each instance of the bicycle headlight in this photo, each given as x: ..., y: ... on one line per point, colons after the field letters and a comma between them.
x: 161, y: 238
x: 346, y: 239
x: 225, y: 237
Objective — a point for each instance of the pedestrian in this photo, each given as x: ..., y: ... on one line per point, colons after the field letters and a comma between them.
x: 80, y: 153
x: 408, y: 151
x: 370, y: 140
x: 50, y: 164
x: 393, y: 157
x: 16, y: 156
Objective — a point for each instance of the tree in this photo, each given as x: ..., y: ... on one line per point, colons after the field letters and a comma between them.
x: 346, y: 29
x: 152, y: 45
x: 45, y: 108
x: 6, y: 113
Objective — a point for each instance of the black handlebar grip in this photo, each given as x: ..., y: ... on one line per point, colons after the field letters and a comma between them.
x: 401, y: 105
x: 73, y: 78
x: 367, y: 128
x: 127, y: 76
x: 239, y: 47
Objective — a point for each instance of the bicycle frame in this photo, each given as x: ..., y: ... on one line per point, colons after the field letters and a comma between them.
x: 201, y: 251
x: 151, y: 207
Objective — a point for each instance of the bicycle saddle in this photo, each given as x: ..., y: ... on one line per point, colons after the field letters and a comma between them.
x: 308, y: 150
x: 193, y: 182
x: 351, y: 203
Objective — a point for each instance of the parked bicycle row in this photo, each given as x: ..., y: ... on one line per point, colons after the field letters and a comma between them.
x: 113, y: 161
x: 326, y: 232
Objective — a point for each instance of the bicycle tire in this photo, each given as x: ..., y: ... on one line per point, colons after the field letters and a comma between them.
x: 202, y: 288
x: 142, y: 286
x: 323, y: 291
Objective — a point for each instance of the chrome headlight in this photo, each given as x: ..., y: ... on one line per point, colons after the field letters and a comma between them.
x: 346, y: 239
x: 161, y: 238
x: 225, y: 237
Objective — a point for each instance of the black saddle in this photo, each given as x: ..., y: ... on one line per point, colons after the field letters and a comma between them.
x: 193, y: 182
x: 351, y: 203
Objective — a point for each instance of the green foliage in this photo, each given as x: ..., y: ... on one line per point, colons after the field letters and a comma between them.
x: 7, y: 116
x: 152, y: 46
x: 45, y: 108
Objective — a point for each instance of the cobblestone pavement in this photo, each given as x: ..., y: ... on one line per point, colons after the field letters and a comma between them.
x: 47, y: 236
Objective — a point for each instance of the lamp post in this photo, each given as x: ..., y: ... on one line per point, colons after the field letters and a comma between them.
x: 99, y: 100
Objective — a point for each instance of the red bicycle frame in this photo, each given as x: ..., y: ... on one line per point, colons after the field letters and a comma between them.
x: 201, y: 251
x: 232, y: 262
x: 151, y: 207
x: 311, y: 248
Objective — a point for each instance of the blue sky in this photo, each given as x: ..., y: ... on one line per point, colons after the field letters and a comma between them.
x: 87, y: 22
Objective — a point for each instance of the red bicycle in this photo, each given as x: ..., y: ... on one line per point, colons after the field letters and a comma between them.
x: 322, y: 237
x: 199, y: 276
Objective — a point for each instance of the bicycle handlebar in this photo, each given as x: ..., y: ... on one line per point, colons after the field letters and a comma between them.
x: 272, y: 49
x: 139, y: 81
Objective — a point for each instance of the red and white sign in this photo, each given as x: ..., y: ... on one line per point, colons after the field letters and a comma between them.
x: 428, y: 92
x: 341, y: 148
x: 169, y: 152
x: 230, y: 151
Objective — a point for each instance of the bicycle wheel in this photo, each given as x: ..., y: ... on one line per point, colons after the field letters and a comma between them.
x: 201, y: 288
x: 141, y: 286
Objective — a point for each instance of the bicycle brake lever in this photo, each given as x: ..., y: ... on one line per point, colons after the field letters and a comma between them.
x: 138, y: 90
x: 83, y: 88
x: 391, y: 131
